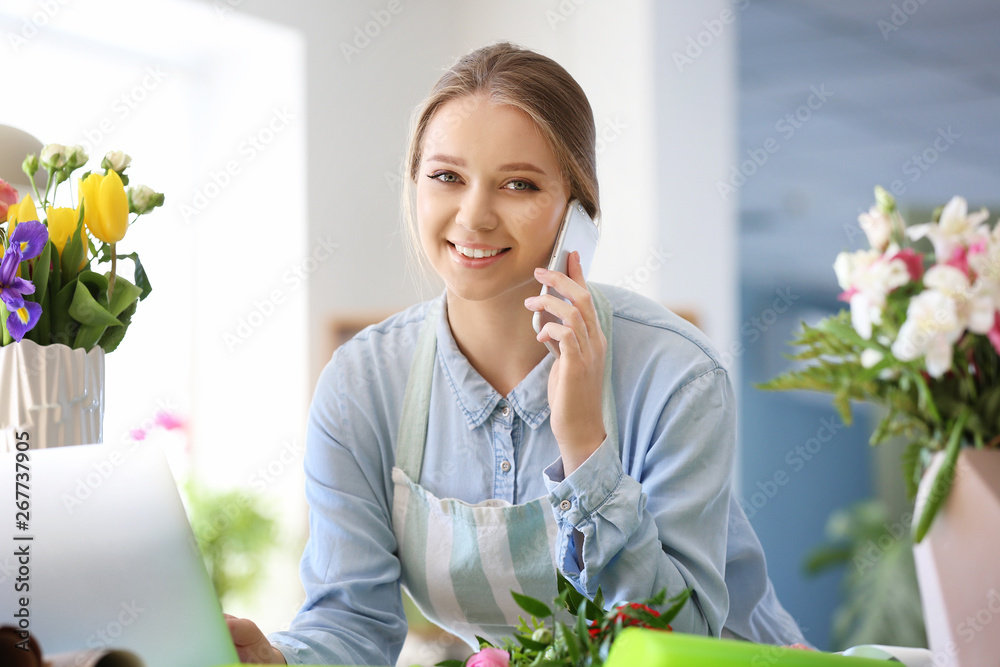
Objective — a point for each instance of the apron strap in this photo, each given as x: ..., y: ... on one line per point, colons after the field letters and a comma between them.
x: 605, y: 315
x: 417, y: 400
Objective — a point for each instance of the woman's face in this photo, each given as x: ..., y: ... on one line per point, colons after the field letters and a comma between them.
x: 490, y: 196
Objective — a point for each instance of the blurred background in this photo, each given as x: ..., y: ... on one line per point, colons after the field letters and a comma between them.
x: 738, y: 142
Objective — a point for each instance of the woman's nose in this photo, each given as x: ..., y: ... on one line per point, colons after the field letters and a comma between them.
x: 476, y: 211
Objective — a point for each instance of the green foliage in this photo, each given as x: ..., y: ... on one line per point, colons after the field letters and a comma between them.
x: 233, y: 535
x: 961, y: 407
x: 881, y: 600
x: 584, y: 640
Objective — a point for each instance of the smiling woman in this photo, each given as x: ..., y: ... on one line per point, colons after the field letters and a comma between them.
x: 610, y: 464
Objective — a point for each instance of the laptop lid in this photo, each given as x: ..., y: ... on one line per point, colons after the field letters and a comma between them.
x: 104, y: 556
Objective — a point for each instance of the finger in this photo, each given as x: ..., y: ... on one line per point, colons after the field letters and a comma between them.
x: 574, y: 269
x: 243, y: 631
x: 578, y: 295
x: 564, y: 336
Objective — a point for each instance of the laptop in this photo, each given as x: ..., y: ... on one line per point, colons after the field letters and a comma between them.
x: 105, y: 557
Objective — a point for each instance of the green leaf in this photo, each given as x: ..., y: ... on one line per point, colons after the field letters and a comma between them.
x: 528, y: 642
x: 572, y: 641
x: 942, y: 481
x: 531, y: 605
x: 678, y: 602
x: 73, y: 253
x: 62, y: 328
x: 825, y: 557
x: 484, y: 643
x: 141, y: 279
x: 574, y: 598
x: 450, y: 663
x: 40, y: 276
x: 125, y: 295
x: 113, y: 336
x: 93, y: 317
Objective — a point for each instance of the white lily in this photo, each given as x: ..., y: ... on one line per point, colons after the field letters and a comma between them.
x: 931, y: 328
x: 956, y: 227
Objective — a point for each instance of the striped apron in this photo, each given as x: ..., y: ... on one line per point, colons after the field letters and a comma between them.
x: 461, y: 561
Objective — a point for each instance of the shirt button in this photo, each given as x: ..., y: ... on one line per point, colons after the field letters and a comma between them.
x: 565, y: 505
x: 505, y: 411
x: 505, y: 466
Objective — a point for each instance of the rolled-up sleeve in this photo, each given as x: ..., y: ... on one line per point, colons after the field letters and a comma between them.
x: 661, y: 523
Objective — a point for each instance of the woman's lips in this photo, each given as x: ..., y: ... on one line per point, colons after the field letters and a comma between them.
x: 486, y: 255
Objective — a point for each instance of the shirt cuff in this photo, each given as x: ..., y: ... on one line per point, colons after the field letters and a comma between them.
x: 288, y: 652
x: 587, y: 487
x: 597, y: 498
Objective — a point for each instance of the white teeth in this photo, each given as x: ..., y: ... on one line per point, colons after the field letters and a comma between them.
x: 476, y: 253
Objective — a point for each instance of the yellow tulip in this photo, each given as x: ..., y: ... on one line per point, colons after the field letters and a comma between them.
x: 105, y: 206
x: 89, y: 187
x: 62, y: 224
x: 113, y: 202
x: 20, y: 212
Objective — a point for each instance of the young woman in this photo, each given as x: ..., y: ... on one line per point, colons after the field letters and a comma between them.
x: 449, y: 452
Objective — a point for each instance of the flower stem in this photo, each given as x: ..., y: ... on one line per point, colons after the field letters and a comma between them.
x: 114, y: 263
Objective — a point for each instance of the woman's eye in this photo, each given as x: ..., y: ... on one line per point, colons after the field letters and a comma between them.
x: 520, y: 185
x: 444, y: 177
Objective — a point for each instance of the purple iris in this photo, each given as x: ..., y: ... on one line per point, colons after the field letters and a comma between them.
x: 27, y: 241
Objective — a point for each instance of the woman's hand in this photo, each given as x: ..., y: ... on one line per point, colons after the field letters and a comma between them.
x: 577, y: 376
x: 251, y: 644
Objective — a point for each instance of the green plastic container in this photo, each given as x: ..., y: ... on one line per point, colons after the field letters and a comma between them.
x: 638, y: 647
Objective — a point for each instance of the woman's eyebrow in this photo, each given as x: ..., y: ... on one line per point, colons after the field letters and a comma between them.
x: 459, y: 162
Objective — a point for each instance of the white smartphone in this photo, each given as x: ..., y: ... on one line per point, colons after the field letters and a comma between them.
x: 579, y: 233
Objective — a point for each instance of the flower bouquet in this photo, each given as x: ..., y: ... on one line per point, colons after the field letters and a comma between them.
x: 922, y: 338
x: 584, y: 642
x: 50, y: 291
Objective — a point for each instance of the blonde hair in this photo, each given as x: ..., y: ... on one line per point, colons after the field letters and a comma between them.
x: 534, y: 84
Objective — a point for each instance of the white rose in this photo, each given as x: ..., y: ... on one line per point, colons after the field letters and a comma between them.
x: 143, y: 199
x: 76, y: 156
x: 53, y: 157
x: 116, y: 161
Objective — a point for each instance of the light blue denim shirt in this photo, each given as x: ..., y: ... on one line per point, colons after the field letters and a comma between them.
x: 654, y: 510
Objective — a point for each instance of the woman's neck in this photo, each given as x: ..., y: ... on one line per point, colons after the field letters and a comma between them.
x: 496, y: 337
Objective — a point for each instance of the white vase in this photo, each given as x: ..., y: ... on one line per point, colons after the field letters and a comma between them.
x: 957, y: 563
x: 52, y: 393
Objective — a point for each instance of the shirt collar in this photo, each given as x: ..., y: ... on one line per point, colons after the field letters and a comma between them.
x: 476, y: 397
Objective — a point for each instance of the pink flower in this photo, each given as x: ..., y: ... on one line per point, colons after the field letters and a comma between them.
x: 8, y: 196
x: 994, y: 334
x: 914, y: 262
x: 959, y: 259
x: 168, y: 421
x: 489, y: 657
